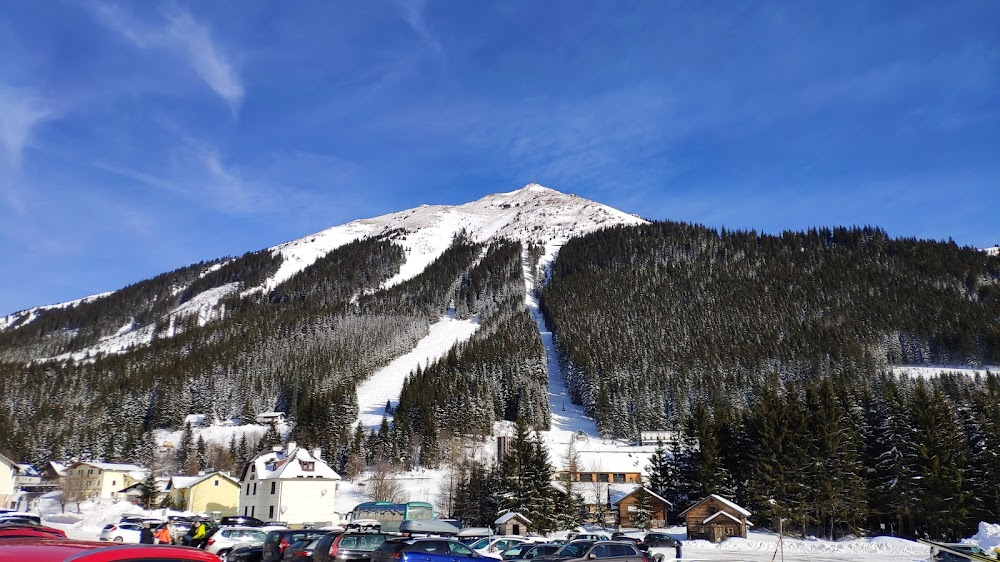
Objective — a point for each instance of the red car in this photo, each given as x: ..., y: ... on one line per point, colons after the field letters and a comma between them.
x: 61, y: 550
x: 15, y: 531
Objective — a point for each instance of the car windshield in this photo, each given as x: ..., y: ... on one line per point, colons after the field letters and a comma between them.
x: 574, y: 549
x: 481, y: 543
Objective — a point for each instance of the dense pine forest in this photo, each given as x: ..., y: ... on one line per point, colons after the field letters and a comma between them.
x: 771, y: 355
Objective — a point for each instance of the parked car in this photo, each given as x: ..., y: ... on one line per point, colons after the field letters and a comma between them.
x: 278, y: 540
x: 21, y: 517
x: 246, y: 554
x: 18, y: 530
x: 529, y: 551
x: 658, y: 540
x: 585, y: 550
x: 348, y: 547
x: 181, y: 527
x: 61, y: 550
x: 225, y: 539
x: 121, y: 532
x: 938, y: 555
x: 425, y: 549
x: 241, y: 520
x: 589, y: 537
x: 491, y: 547
x: 300, y: 550
x: 470, y: 535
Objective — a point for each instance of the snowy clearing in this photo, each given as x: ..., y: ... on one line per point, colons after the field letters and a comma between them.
x: 926, y: 371
x: 386, y: 383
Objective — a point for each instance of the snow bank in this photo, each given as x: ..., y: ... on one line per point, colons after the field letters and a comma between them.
x: 988, y: 536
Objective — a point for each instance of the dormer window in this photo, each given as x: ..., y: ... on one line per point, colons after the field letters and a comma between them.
x: 308, y: 466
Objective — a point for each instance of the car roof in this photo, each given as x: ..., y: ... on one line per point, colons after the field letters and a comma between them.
x: 61, y: 550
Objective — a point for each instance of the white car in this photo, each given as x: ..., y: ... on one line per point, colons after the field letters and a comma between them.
x: 225, y: 539
x: 121, y: 532
x: 491, y: 547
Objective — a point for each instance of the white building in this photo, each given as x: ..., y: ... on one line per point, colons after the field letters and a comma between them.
x: 8, y: 474
x: 293, y: 485
x: 87, y: 480
x: 270, y: 417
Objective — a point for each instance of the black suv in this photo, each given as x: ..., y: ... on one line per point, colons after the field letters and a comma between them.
x: 278, y: 540
x: 348, y: 547
x: 652, y: 540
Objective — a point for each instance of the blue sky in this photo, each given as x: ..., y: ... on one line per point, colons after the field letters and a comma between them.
x: 137, y: 137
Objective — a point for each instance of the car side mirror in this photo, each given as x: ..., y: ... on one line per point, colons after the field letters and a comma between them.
x: 592, y: 556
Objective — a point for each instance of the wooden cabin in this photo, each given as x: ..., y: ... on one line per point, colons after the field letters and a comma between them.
x: 715, y: 519
x: 628, y: 505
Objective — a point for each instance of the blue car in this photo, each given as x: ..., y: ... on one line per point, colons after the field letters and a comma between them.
x: 430, y: 549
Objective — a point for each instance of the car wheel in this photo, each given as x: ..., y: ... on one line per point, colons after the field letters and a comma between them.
x: 659, y: 557
x: 118, y: 539
x: 223, y: 555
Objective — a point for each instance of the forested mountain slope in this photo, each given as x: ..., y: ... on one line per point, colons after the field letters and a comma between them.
x: 653, y: 319
x: 769, y: 356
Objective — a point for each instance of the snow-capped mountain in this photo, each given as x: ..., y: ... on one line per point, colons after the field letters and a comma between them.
x: 534, y: 213
x: 994, y: 251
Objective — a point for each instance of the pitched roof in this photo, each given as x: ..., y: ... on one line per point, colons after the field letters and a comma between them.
x: 115, y: 467
x: 720, y: 499
x: 721, y: 514
x: 181, y: 482
x: 510, y: 515
x: 648, y: 491
x: 279, y: 465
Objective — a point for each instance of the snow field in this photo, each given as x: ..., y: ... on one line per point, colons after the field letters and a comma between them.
x: 386, y: 383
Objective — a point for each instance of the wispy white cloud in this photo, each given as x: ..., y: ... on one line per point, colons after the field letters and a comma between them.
x: 414, y: 12
x: 21, y: 112
x: 208, y: 60
x: 188, y: 38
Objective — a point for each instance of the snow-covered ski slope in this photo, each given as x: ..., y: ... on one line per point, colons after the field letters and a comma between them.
x: 386, y: 383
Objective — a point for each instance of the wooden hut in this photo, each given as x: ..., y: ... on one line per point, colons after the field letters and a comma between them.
x: 715, y: 519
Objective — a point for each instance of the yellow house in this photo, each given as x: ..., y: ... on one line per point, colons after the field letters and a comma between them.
x: 214, y: 492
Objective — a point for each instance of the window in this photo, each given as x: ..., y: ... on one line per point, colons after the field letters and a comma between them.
x: 216, y: 482
x: 621, y: 550
x: 308, y: 466
x: 113, y: 482
x: 602, y: 477
x: 459, y: 549
x: 587, y: 477
x: 248, y: 491
x: 273, y: 484
x: 255, y: 488
x: 619, y: 477
x: 253, y: 508
x: 601, y: 551
x: 270, y: 512
x: 246, y: 510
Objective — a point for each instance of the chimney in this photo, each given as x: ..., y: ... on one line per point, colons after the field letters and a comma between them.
x: 318, y: 453
x: 291, y: 447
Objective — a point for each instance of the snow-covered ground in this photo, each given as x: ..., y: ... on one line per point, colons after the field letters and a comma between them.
x: 386, y: 383
x: 924, y: 371
x: 566, y: 416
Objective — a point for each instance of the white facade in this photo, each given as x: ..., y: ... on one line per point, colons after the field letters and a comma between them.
x: 101, y: 479
x: 293, y: 486
x: 8, y: 473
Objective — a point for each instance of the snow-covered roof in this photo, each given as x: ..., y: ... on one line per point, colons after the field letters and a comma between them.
x: 113, y: 467
x: 283, y: 465
x: 721, y: 514
x: 648, y: 491
x: 721, y: 500
x: 182, y: 482
x: 510, y: 515
x: 588, y: 491
x: 58, y: 467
